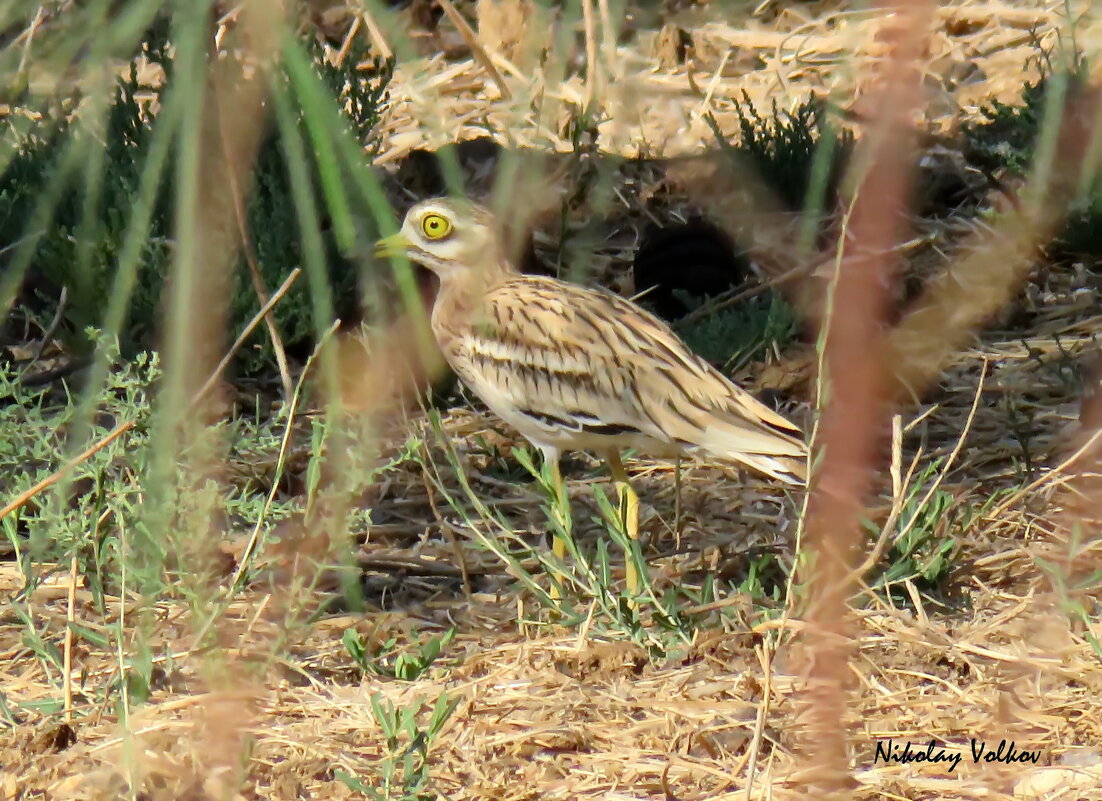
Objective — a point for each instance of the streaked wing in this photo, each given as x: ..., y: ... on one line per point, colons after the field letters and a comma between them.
x: 595, y: 363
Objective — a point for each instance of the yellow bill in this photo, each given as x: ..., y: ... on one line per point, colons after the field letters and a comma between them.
x: 390, y: 246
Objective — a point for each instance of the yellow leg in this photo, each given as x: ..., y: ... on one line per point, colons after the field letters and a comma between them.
x: 561, y: 509
x: 677, y: 502
x: 629, y: 516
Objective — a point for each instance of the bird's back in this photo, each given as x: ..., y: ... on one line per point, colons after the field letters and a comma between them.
x: 576, y: 367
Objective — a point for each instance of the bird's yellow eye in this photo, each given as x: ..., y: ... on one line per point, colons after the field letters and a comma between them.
x: 436, y: 226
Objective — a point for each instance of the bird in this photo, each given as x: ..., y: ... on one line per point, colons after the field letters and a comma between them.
x: 572, y: 367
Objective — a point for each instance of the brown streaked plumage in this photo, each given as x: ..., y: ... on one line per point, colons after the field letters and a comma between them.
x: 573, y: 368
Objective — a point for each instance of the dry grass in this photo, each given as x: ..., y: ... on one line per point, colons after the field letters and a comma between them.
x: 544, y: 711
x: 564, y: 715
x: 976, y: 52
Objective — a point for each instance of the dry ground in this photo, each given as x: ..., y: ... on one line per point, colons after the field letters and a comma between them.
x: 548, y: 712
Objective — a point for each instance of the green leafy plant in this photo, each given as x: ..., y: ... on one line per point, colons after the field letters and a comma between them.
x: 390, y: 660
x: 97, y: 521
x: 924, y: 543
x: 39, y: 425
x: 1076, y: 593
x: 1007, y: 136
x: 794, y: 152
x: 81, y: 246
x: 765, y: 578
x: 924, y: 549
x: 273, y: 216
x: 744, y: 332
x: 403, y: 771
x: 580, y: 590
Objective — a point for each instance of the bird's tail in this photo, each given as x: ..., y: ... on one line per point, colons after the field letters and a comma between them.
x: 789, y: 469
x: 779, y: 455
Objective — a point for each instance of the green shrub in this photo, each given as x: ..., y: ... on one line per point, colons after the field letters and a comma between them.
x: 731, y: 337
x: 1006, y: 138
x: 784, y: 147
x: 117, y: 514
x: 102, y: 498
x: 923, y: 545
x: 1007, y: 135
x: 271, y: 216
x: 126, y: 138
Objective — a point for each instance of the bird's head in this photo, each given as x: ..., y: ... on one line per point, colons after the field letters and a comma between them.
x: 451, y: 237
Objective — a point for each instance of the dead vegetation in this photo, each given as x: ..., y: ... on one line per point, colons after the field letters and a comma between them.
x: 996, y: 456
x: 649, y: 104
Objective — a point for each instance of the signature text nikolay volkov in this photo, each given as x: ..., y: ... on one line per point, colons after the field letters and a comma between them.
x: 907, y: 752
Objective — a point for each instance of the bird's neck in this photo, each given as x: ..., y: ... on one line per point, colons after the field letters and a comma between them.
x: 460, y: 299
